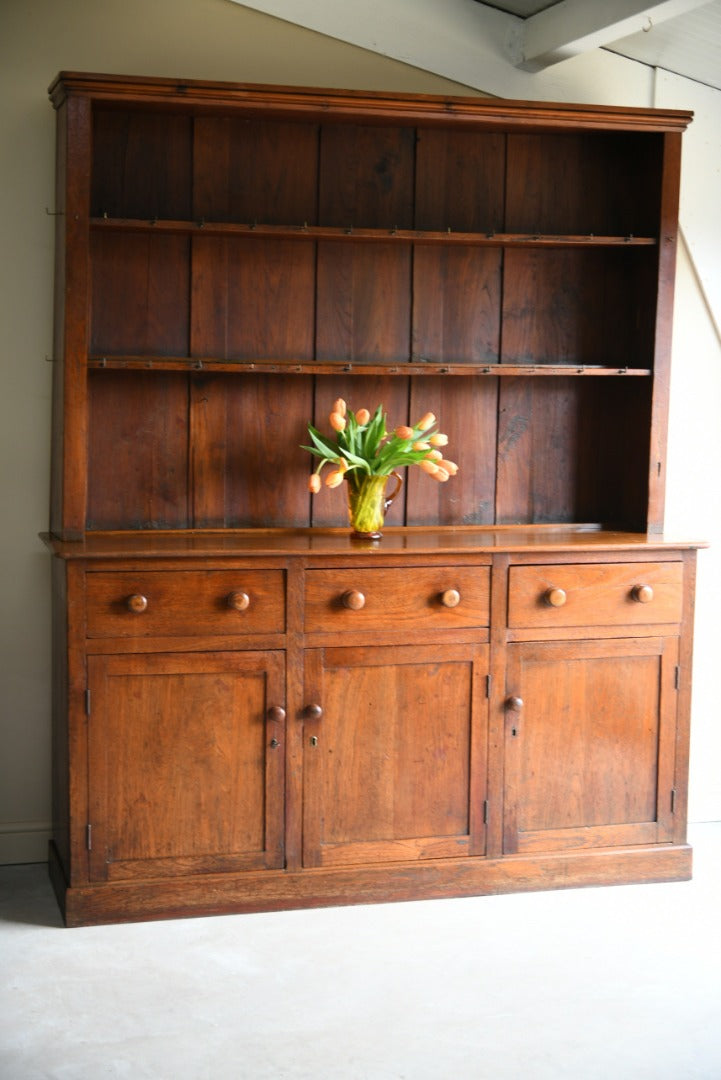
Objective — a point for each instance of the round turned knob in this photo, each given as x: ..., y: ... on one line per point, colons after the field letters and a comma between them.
x: 554, y: 597
x: 353, y: 600
x: 137, y: 603
x: 515, y: 704
x: 642, y: 594
x: 450, y: 598
x: 313, y: 712
x: 239, y: 601
x: 276, y: 714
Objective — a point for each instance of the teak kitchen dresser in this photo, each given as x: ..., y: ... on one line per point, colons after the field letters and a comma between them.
x: 253, y: 711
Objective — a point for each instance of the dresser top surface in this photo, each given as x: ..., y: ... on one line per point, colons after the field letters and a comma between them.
x: 205, y: 543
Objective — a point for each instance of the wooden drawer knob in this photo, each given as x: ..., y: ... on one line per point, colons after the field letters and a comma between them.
x: 353, y: 600
x: 137, y: 603
x: 313, y: 712
x: 515, y: 704
x: 450, y: 598
x: 238, y: 601
x: 554, y: 597
x: 276, y: 714
x: 642, y: 594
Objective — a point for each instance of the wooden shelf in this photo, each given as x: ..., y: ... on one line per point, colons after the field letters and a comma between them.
x: 321, y: 367
x: 345, y: 233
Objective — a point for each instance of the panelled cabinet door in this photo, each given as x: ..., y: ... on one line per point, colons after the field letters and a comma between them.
x: 394, y: 754
x: 186, y: 766
x: 590, y: 744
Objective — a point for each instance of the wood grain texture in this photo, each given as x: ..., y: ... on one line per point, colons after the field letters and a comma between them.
x: 185, y: 603
x: 456, y: 304
x: 140, y: 294
x: 582, y: 183
x: 139, y: 436
x: 252, y: 299
x: 468, y: 415
x: 363, y: 303
x: 247, y: 466
x: 308, y: 102
x: 557, y: 306
x: 537, y: 478
x: 595, y: 595
x: 366, y: 176
x: 194, y: 726
x: 335, y: 886
x: 670, y: 182
x: 410, y: 600
x: 254, y: 171
x: 465, y: 544
x: 71, y: 336
x: 586, y: 755
x: 142, y: 164
x: 395, y: 784
x: 459, y: 180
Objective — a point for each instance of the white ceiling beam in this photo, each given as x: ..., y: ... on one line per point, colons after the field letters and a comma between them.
x: 458, y: 39
x: 466, y: 42
x: 576, y: 26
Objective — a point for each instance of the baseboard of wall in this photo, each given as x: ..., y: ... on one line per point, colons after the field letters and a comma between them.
x: 24, y: 841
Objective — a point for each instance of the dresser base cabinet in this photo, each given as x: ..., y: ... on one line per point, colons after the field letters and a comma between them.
x: 238, y: 738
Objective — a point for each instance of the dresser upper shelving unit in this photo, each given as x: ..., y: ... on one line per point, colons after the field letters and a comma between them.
x: 232, y: 258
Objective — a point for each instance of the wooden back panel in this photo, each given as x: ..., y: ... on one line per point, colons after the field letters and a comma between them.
x: 181, y: 445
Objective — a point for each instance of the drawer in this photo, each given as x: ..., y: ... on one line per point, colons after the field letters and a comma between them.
x: 397, y: 599
x: 170, y: 603
x: 607, y: 594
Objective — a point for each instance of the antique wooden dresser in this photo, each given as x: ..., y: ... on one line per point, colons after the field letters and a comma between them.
x: 252, y: 710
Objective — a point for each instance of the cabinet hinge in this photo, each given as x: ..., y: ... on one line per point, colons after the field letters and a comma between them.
x: 87, y: 703
x: 673, y: 800
x: 488, y: 686
x: 677, y: 677
x: 89, y: 837
x: 485, y: 811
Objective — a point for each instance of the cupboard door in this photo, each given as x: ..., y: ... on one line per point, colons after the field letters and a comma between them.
x: 185, y: 763
x: 590, y: 735
x: 394, y: 754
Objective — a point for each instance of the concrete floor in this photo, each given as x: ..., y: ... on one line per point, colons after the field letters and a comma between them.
x: 595, y: 984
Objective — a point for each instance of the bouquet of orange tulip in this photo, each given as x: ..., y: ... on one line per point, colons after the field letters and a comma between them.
x: 364, y: 454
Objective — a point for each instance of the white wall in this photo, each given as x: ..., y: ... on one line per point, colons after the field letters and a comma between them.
x: 220, y: 40
x: 693, y: 498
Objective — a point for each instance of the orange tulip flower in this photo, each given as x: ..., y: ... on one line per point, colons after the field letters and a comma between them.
x: 334, y: 478
x: 428, y: 466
